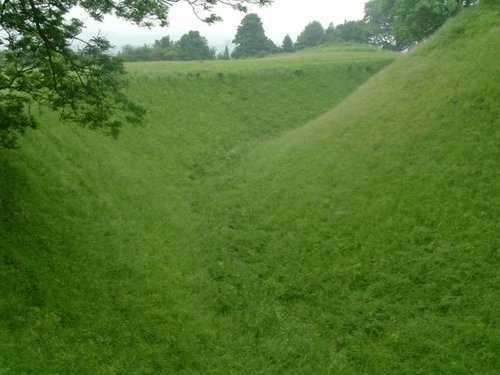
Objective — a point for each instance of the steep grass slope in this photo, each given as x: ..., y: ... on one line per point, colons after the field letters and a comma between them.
x: 367, y: 241
x: 102, y: 266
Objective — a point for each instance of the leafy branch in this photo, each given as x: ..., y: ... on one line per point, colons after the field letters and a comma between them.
x: 39, y: 62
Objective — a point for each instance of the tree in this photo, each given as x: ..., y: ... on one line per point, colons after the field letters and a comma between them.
x: 287, y: 44
x: 40, y: 63
x: 312, y: 35
x: 141, y: 53
x: 161, y: 50
x: 250, y: 39
x: 227, y: 56
x: 224, y: 55
x: 379, y: 16
x: 163, y: 42
x: 193, y: 46
x: 398, y: 24
x: 349, y: 31
x: 330, y: 33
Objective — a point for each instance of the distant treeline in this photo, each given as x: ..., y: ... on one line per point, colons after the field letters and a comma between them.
x: 191, y: 46
x: 391, y: 24
x: 250, y: 42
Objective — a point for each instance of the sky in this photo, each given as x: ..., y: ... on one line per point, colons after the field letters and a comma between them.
x: 279, y: 19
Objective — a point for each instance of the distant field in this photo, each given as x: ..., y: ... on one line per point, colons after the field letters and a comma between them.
x: 331, y: 211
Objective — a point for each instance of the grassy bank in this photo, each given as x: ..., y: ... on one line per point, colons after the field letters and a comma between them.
x: 102, y: 240
x: 366, y: 241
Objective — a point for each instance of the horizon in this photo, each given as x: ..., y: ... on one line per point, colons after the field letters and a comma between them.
x: 221, y: 34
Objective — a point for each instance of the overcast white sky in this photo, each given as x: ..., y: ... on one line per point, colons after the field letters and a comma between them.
x: 281, y: 18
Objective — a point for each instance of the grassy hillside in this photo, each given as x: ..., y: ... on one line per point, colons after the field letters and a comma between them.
x: 267, y: 221
x: 368, y: 240
x: 101, y: 240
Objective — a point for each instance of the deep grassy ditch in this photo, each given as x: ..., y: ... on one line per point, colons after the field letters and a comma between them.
x: 273, y: 216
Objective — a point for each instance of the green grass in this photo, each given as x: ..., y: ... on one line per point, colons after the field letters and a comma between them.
x: 282, y: 215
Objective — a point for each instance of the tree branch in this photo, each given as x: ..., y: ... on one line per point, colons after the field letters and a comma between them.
x: 48, y: 47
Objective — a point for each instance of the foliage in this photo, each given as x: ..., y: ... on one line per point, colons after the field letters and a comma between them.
x: 225, y: 55
x: 250, y: 39
x: 379, y: 16
x: 312, y: 35
x: 192, y: 46
x: 13, y: 118
x: 349, y: 31
x: 398, y: 24
x: 287, y: 45
x: 148, y: 53
x: 163, y: 42
x: 40, y: 63
x: 330, y: 32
